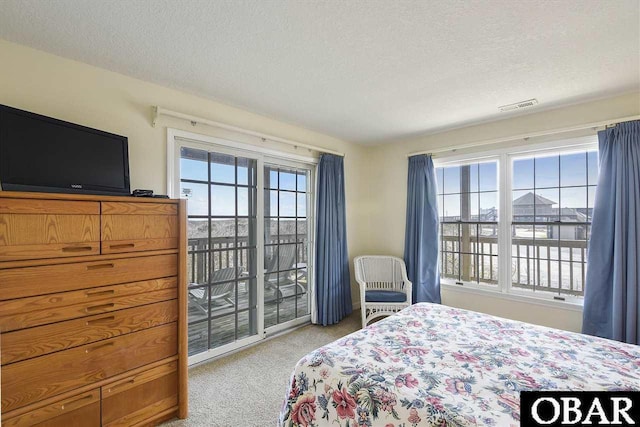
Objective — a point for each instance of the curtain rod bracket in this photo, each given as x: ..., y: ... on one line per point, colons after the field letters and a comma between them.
x: 606, y: 124
x: 158, y: 111
x: 155, y: 113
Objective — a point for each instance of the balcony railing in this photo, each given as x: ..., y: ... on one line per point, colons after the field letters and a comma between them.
x: 232, y: 317
x: 222, y: 253
x: 539, y: 264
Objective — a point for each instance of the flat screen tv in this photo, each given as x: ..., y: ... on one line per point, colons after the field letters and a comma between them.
x: 39, y: 153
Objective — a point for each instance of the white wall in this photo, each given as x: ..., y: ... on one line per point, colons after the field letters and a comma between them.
x: 46, y: 84
x: 385, y: 206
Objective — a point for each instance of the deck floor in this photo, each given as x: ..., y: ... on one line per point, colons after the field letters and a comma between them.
x: 226, y: 327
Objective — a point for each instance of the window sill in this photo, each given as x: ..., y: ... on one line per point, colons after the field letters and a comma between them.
x: 564, y: 305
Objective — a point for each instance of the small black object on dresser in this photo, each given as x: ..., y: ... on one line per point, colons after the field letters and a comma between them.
x: 142, y: 193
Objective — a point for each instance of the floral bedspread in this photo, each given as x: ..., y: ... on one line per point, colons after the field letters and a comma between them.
x: 433, y: 365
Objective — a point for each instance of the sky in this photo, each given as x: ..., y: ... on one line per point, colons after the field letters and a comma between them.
x: 223, y: 196
x: 550, y: 174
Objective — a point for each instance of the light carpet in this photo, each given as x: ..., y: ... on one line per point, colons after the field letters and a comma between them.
x: 248, y: 388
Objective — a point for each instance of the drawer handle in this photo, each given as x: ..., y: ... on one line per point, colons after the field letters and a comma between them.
x: 88, y: 396
x: 77, y: 248
x: 101, y: 346
x: 123, y: 246
x: 99, y: 307
x: 100, y: 293
x: 99, y: 266
x: 102, y: 319
x: 125, y: 383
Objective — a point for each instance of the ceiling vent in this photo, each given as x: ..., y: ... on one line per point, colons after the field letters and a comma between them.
x: 519, y: 105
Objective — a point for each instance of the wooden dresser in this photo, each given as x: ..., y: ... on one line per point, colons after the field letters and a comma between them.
x: 92, y: 310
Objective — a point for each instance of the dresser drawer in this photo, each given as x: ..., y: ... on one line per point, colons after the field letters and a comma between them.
x: 132, y: 233
x: 56, y: 373
x: 37, y: 229
x: 46, y: 279
x: 129, y: 208
x: 82, y: 410
x: 34, y: 311
x: 136, y: 399
x: 133, y: 227
x: 34, y: 342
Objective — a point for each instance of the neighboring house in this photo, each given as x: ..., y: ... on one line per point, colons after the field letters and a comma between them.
x: 535, y: 208
x: 530, y: 208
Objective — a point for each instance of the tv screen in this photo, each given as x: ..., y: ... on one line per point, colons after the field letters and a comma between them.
x: 39, y: 153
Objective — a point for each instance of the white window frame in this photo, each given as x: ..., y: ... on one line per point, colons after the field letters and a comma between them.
x: 438, y: 162
x: 176, y: 139
x: 505, y: 157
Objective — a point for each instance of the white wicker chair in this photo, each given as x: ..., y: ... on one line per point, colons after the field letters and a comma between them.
x: 383, y: 281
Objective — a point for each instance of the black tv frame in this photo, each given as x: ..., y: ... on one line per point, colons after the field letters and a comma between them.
x: 8, y: 186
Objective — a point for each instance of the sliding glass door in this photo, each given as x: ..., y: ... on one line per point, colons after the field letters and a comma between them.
x: 286, y: 244
x: 222, y: 247
x: 249, y: 244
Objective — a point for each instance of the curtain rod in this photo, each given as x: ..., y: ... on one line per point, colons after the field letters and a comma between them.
x: 159, y: 111
x: 526, y: 136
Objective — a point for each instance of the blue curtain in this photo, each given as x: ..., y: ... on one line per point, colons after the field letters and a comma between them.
x: 421, y: 231
x: 611, y: 299
x: 333, y: 287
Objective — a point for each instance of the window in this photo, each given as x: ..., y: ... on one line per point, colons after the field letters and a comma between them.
x: 517, y: 222
x: 250, y: 238
x: 552, y: 205
x: 468, y: 196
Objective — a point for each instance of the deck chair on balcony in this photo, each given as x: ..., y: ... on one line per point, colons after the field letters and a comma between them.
x: 283, y: 281
x: 221, y: 293
x: 384, y: 286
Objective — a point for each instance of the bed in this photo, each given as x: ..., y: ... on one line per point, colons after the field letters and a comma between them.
x: 433, y: 365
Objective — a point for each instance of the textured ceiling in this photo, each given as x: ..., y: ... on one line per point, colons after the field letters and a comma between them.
x: 367, y: 71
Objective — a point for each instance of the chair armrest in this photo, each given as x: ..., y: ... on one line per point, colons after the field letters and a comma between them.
x: 408, y: 286
x: 362, y: 284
